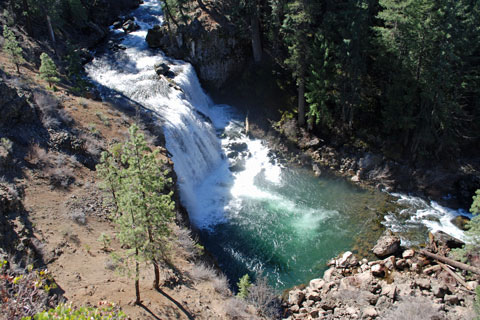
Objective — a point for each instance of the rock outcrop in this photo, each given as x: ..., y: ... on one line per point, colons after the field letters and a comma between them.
x: 391, y: 288
x: 14, y: 107
x: 215, y: 51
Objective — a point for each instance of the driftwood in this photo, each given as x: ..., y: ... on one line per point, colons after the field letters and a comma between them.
x: 432, y: 269
x: 455, y: 276
x: 451, y: 262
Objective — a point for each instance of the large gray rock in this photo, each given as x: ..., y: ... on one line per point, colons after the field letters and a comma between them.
x: 347, y: 260
x: 443, y: 239
x: 296, y: 296
x: 130, y: 26
x: 386, y: 245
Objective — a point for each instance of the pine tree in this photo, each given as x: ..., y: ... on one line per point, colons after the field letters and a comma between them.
x: 243, y: 286
x: 12, y: 48
x: 144, y: 205
x: 433, y: 46
x: 48, y: 70
x: 296, y: 30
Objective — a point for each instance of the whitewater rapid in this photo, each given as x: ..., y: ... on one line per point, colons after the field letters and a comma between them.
x: 261, y: 216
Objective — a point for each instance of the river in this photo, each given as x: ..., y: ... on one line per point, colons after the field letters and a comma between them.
x: 252, y: 213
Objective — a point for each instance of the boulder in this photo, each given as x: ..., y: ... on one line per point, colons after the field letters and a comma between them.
x: 390, y: 291
x: 130, y: 26
x: 386, y: 245
x: 401, y: 264
x: 451, y: 299
x: 117, y: 24
x: 439, y: 289
x: 238, y: 146
x: 407, y: 254
x: 389, y: 263
x: 443, y: 239
x: 156, y: 37
x: 162, y: 69
x: 237, y: 166
x: 378, y: 270
x: 347, y: 260
x: 460, y: 222
x: 296, y: 296
x: 316, y: 284
x: 369, y: 312
x: 423, y: 283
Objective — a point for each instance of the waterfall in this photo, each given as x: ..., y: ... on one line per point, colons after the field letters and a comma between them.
x: 252, y: 213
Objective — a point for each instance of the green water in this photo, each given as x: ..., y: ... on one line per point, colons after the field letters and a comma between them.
x: 293, y: 228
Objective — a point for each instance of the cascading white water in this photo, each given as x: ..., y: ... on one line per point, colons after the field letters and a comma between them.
x: 254, y: 214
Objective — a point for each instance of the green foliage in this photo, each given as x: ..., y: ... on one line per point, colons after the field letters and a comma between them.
x: 105, y: 311
x: 105, y: 240
x: 139, y: 188
x: 7, y: 144
x: 48, y: 70
x: 23, y: 293
x: 12, y: 47
x: 73, y: 62
x: 432, y: 45
x: 473, y: 231
x: 244, y: 285
x: 78, y: 12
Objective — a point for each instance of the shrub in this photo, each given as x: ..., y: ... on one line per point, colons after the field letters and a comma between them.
x: 202, y: 272
x: 220, y: 284
x: 264, y: 298
x: 186, y: 241
x: 236, y: 308
x: 412, y: 308
x: 104, y: 311
x: 24, y: 294
x: 472, y: 233
x: 60, y: 177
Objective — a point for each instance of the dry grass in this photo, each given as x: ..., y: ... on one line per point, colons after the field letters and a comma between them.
x: 220, y: 284
x: 413, y: 308
x: 52, y: 115
x: 264, y: 299
x: 185, y: 240
x: 202, y: 272
x: 236, y: 308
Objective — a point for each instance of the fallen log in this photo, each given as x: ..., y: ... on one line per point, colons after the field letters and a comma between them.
x: 432, y: 269
x: 451, y: 262
x: 455, y: 276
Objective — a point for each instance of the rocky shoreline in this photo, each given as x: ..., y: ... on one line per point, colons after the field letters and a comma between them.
x: 404, y: 284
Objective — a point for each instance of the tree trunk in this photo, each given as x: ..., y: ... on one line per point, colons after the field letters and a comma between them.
x: 301, y: 101
x: 28, y: 19
x: 301, y: 80
x: 156, y: 271
x: 137, y: 279
x: 451, y: 262
x: 52, y: 34
x: 256, y: 40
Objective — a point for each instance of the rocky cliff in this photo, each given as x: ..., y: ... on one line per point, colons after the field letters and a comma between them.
x: 216, y: 50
